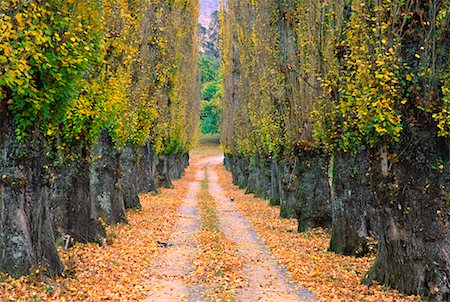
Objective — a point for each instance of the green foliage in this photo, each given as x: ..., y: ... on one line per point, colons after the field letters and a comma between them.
x: 209, y: 68
x: 71, y: 69
x: 337, y: 74
x: 211, y: 90
x: 44, y: 52
x: 210, y: 117
x: 211, y: 83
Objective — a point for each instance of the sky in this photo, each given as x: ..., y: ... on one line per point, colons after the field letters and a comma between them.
x: 206, y: 8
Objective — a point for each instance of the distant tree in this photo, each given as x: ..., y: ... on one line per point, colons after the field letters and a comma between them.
x: 209, y: 37
x: 210, y: 117
x: 209, y: 68
x: 212, y: 43
x: 211, y: 95
x: 209, y: 65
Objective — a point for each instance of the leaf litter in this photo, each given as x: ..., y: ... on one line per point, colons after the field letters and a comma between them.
x: 116, y: 272
x: 330, y: 276
x: 120, y: 271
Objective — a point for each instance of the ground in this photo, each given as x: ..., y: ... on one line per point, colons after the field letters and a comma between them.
x: 204, y: 240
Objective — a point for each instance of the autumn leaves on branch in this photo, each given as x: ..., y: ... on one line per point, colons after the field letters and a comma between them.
x: 96, y: 98
x: 338, y: 111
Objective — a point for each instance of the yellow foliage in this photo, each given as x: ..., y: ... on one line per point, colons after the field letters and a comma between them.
x: 105, y: 65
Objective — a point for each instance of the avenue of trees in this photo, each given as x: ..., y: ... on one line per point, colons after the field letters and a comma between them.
x: 98, y: 103
x: 338, y: 111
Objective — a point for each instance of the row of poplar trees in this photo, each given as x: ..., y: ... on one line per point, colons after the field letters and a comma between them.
x: 347, y: 99
x: 98, y: 102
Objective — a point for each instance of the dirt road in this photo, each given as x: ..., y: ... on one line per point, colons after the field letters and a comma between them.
x: 263, y: 279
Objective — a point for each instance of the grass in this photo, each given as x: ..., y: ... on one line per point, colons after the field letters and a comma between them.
x: 218, y: 265
x: 209, y: 145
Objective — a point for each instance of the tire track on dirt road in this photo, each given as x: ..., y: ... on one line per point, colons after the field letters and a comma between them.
x: 170, y: 271
x: 267, y: 281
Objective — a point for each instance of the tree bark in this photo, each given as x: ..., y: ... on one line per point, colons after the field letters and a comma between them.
x: 228, y: 161
x: 313, y: 205
x: 353, y: 218
x: 147, y: 169
x: 287, y: 187
x: 162, y: 172
x: 26, y: 234
x: 73, y: 211
x: 242, y: 171
x: 105, y: 184
x: 263, y: 187
x: 129, y: 177
x: 414, y: 207
x: 253, y: 171
x: 177, y: 164
x: 274, y: 183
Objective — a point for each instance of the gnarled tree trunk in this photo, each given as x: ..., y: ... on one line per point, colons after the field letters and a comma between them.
x: 287, y: 187
x: 274, y: 195
x: 253, y: 171
x: 242, y: 171
x: 129, y: 177
x: 26, y: 234
x: 73, y: 211
x: 105, y: 181
x: 414, y: 207
x: 313, y: 205
x: 352, y: 204
x: 162, y: 172
x: 177, y: 163
x: 263, y: 187
x: 147, y: 169
x: 228, y: 161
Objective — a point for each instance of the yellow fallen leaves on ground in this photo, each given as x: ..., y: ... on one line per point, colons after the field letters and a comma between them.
x: 120, y: 271
x: 330, y: 276
x: 218, y: 265
x: 116, y: 272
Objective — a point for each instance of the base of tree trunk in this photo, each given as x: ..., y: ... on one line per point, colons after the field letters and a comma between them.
x: 312, y: 198
x: 163, y: 172
x: 26, y: 234
x: 105, y: 184
x: 72, y: 208
x: 274, y: 195
x: 129, y: 177
x: 352, y: 199
x: 414, y: 207
x: 147, y: 161
x: 287, y: 187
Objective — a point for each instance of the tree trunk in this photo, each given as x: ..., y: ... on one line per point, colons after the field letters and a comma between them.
x: 234, y: 169
x: 263, y: 182
x: 228, y: 161
x: 26, y: 234
x: 313, y: 205
x: 414, y: 243
x: 162, y: 172
x: 352, y: 204
x: 176, y: 165
x: 105, y: 181
x: 129, y: 177
x: 242, y: 171
x: 73, y: 211
x: 274, y: 183
x: 253, y: 171
x: 147, y: 169
x: 287, y: 187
